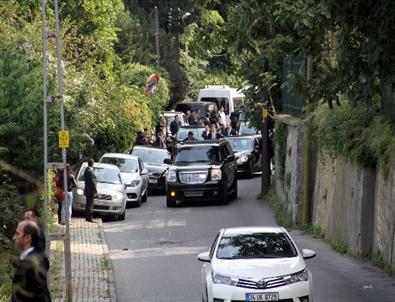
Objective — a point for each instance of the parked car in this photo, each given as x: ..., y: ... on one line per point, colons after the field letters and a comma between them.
x: 202, y: 170
x: 255, y: 264
x: 134, y: 175
x: 245, y: 128
x: 111, y: 199
x: 203, y: 107
x: 169, y: 115
x: 153, y: 158
x: 248, y: 152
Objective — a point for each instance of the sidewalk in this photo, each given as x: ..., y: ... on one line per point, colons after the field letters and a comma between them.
x: 92, y: 275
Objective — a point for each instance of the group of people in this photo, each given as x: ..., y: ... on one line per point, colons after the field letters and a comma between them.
x: 64, y: 198
x: 31, y: 269
x: 215, y: 127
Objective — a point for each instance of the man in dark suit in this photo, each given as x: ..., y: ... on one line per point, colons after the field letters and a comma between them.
x: 90, y: 190
x: 228, y: 130
x: 175, y: 125
x: 213, y: 133
x: 30, y: 280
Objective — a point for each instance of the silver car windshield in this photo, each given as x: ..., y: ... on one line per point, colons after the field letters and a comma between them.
x: 260, y: 245
x: 105, y: 175
x: 125, y: 165
x: 151, y: 156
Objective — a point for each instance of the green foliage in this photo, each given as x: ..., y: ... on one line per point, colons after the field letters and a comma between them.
x: 281, y: 214
x: 339, y: 246
x: 378, y: 260
x: 355, y: 133
x: 280, y: 138
x: 314, y: 230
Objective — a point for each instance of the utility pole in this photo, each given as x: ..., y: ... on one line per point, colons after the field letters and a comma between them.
x: 63, y: 141
x: 266, y: 173
x: 157, y: 35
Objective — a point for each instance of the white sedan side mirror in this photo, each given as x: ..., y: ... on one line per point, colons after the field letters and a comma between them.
x: 307, y: 254
x: 204, y: 257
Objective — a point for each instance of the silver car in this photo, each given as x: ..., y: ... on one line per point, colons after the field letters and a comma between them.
x: 111, y: 197
x: 134, y: 175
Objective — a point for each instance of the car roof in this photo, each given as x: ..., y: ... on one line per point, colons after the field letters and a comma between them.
x: 120, y: 155
x: 204, y: 142
x: 171, y: 113
x: 244, y: 136
x: 252, y: 229
x: 150, y: 147
x: 101, y: 165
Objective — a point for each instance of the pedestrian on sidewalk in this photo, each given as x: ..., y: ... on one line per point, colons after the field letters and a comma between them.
x: 68, y: 201
x: 90, y: 190
x: 59, y: 193
x: 30, y: 279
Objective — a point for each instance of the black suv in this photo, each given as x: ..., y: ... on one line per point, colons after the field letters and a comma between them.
x: 202, y: 170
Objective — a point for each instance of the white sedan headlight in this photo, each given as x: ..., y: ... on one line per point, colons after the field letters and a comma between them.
x: 118, y: 195
x: 80, y: 192
x: 171, y: 176
x: 216, y: 174
x: 134, y: 183
x: 299, y: 276
x: 224, y: 279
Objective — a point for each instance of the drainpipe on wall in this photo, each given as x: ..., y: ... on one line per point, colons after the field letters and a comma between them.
x: 306, y: 155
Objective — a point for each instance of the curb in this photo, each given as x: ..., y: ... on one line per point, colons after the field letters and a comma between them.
x: 111, y: 285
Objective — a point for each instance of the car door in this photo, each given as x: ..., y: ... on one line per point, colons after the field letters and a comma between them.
x: 258, y: 153
x: 229, y: 165
x: 144, y: 176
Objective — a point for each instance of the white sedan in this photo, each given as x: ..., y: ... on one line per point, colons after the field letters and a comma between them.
x: 255, y: 264
x: 134, y: 175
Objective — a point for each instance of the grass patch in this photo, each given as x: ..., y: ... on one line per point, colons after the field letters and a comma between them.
x: 314, y: 230
x: 339, y: 246
x: 56, y: 272
x: 281, y: 214
x: 105, y: 264
x: 378, y: 260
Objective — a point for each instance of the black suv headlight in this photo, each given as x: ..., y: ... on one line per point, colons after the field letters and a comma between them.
x: 171, y: 176
x: 216, y: 174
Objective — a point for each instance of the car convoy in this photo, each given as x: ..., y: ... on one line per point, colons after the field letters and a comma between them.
x: 244, y: 263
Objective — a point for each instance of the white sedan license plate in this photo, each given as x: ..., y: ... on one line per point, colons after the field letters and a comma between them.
x: 153, y: 181
x: 262, y: 297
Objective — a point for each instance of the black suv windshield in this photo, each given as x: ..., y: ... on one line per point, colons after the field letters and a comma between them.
x: 204, y: 153
x: 259, y: 245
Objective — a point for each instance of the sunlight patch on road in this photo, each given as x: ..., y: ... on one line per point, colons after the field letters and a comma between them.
x: 150, y: 224
x: 156, y: 252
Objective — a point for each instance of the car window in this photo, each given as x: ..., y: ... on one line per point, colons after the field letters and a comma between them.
x: 240, y: 143
x: 105, y: 175
x: 125, y: 165
x: 151, y: 156
x: 247, y: 129
x: 212, y: 248
x: 141, y: 164
x: 183, y: 133
x: 205, y: 153
x: 259, y: 245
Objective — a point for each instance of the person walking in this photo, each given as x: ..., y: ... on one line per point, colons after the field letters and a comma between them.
x: 33, y: 215
x: 68, y: 200
x: 90, y: 190
x: 29, y: 283
x: 141, y: 138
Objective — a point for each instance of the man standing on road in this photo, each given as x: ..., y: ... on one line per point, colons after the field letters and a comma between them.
x: 30, y: 279
x: 90, y: 190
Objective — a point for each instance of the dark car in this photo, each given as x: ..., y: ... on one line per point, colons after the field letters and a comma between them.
x: 248, y: 152
x: 153, y: 158
x: 202, y: 170
x: 203, y: 107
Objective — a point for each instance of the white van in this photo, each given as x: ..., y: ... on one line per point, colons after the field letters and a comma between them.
x: 230, y: 98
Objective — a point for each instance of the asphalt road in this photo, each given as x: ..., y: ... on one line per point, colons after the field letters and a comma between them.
x: 154, y: 252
